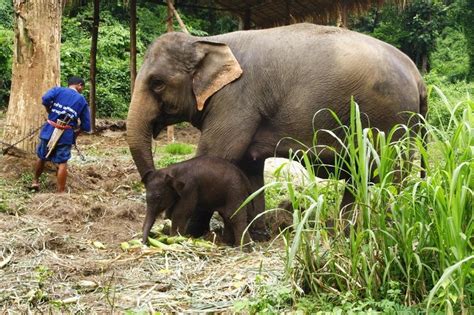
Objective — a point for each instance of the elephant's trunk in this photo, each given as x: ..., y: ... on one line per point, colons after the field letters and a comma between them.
x: 141, y: 115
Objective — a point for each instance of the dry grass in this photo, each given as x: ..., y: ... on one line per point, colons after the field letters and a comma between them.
x: 43, y: 271
x: 50, y: 263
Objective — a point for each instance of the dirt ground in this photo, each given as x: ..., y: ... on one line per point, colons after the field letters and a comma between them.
x: 62, y: 252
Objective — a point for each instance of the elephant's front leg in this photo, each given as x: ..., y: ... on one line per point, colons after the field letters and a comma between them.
x: 182, y: 212
x: 254, y: 171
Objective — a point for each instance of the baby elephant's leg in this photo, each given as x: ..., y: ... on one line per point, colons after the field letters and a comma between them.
x: 181, y: 213
x: 235, y: 224
x: 228, y: 236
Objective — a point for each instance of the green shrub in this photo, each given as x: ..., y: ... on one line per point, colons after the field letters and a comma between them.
x: 6, y: 14
x: 416, y: 233
x: 269, y: 300
x: 450, y: 60
x: 441, y: 105
x: 168, y: 160
x: 179, y: 148
x: 6, y: 54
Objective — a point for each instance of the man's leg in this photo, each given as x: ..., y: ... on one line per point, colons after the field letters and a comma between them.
x: 39, y: 167
x: 62, y: 176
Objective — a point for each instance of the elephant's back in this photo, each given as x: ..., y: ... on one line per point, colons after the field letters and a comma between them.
x: 308, y: 58
x: 211, y: 171
x: 311, y: 43
x: 316, y: 46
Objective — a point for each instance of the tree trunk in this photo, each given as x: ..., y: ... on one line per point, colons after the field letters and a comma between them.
x: 35, y: 67
x: 425, y: 65
x: 133, y: 43
x: 93, y: 65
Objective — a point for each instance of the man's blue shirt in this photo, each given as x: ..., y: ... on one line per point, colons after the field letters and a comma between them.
x: 65, y: 103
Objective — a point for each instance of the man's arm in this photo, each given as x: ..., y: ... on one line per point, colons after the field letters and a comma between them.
x: 85, y: 119
x: 48, y: 98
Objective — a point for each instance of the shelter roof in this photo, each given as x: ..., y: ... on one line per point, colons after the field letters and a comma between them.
x: 267, y: 13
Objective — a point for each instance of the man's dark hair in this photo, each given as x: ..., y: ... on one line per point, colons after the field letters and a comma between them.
x: 75, y: 80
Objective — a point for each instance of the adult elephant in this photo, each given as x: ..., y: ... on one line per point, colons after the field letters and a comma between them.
x: 247, y: 90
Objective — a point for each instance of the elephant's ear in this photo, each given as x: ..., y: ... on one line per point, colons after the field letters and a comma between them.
x: 174, y: 183
x: 216, y: 68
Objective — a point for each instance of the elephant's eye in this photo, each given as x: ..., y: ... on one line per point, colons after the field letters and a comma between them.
x: 157, y: 85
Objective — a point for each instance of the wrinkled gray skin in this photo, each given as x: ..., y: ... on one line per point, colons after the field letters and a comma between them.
x: 205, y: 183
x: 257, y: 87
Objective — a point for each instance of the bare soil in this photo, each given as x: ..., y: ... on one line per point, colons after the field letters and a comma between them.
x: 62, y: 253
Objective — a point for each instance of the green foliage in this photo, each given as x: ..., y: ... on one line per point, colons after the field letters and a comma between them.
x: 466, y: 13
x: 14, y: 196
x: 347, y: 303
x: 439, y: 108
x: 423, y: 21
x: 383, y: 23
x: 179, y: 148
x: 6, y: 50
x: 208, y: 21
x: 402, y: 239
x: 6, y: 54
x: 450, y: 60
x: 6, y: 14
x: 269, y: 300
x: 168, y: 160
x: 151, y: 23
x: 414, y: 29
x: 173, y: 153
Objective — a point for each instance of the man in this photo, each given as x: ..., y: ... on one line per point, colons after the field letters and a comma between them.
x: 65, y: 107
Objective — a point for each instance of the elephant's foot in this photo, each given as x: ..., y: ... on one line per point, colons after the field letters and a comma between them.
x: 259, y: 235
x: 197, y: 229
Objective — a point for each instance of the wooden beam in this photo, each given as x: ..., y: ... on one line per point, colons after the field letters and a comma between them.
x: 178, y: 18
x: 133, y: 43
x: 93, y: 63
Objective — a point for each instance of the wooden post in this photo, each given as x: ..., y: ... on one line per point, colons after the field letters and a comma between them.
x: 169, y: 28
x: 133, y: 44
x: 178, y: 18
x: 93, y: 65
x: 342, y: 16
x: 288, y: 12
x: 245, y: 21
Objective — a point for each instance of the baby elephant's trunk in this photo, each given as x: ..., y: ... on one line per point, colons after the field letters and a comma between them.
x: 149, y: 221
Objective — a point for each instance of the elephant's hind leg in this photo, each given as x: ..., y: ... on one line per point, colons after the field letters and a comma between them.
x: 254, y: 172
x: 198, y: 224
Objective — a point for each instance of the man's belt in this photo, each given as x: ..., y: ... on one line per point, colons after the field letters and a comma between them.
x: 59, y: 127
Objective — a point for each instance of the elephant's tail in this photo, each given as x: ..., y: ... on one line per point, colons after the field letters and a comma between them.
x: 423, y: 133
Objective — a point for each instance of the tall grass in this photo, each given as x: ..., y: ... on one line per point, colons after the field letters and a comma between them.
x: 403, y: 233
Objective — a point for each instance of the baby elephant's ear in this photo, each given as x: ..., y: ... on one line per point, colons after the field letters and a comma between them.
x: 216, y: 67
x: 176, y: 184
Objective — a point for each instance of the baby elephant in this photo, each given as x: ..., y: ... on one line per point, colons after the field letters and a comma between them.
x: 200, y: 183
